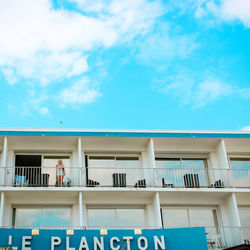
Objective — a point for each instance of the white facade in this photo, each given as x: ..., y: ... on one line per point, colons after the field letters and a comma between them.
x: 191, y: 179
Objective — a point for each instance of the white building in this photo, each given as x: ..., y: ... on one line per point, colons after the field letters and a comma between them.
x: 127, y: 179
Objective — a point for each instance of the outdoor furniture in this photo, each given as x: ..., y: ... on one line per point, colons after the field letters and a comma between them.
x: 218, y: 184
x: 92, y: 183
x: 191, y: 180
x: 141, y: 183
x: 119, y: 180
x: 166, y: 184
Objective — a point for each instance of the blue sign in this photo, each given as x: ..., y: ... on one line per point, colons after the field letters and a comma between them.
x: 147, y: 239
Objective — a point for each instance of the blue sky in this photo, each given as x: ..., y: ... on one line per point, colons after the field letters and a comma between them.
x: 125, y: 64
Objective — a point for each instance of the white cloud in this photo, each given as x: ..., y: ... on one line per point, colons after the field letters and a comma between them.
x: 209, y: 91
x: 39, y: 42
x: 161, y: 46
x: 79, y: 93
x: 226, y: 10
x: 44, y: 111
x: 244, y: 93
x: 247, y: 128
x: 9, y: 75
x: 198, y: 94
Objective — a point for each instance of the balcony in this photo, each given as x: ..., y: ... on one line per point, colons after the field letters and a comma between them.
x: 124, y: 177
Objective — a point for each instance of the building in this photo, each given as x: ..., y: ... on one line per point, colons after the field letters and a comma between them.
x: 120, y: 179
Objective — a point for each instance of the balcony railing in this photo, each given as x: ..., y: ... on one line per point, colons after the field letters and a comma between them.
x: 124, y: 177
x: 224, y: 237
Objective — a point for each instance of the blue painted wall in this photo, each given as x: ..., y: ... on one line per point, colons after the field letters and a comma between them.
x: 175, y: 239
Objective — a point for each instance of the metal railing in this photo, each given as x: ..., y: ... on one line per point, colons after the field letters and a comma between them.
x: 224, y: 237
x: 124, y: 177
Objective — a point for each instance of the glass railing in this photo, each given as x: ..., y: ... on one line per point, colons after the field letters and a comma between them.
x: 124, y: 177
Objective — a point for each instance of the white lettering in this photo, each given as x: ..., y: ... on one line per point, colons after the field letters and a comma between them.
x: 112, y: 243
x: 83, y: 244
x: 160, y: 242
x: 98, y: 243
x: 128, y: 238
x: 139, y: 242
x: 55, y: 241
x: 67, y: 245
x: 10, y: 240
x: 26, y: 242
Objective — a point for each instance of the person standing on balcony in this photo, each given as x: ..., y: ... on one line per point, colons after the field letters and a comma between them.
x: 60, y: 172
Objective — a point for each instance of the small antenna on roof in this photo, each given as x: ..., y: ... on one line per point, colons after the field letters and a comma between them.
x: 61, y: 123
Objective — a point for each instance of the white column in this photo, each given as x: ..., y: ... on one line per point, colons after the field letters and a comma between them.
x: 151, y: 153
x: 151, y: 159
x: 157, y: 210
x: 2, y: 209
x: 5, y: 151
x: 222, y: 155
x: 80, y: 210
x: 80, y: 160
x: 220, y: 165
x: 231, y: 221
x: 4, y: 162
x: 85, y: 215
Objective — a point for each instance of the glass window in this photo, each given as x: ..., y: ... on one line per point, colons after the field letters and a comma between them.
x: 167, y: 163
x: 102, y: 168
x: 245, y: 217
x: 172, y: 171
x: 240, y: 163
x: 189, y: 217
x: 111, y: 217
x: 240, y: 172
x: 130, y: 217
x: 101, y: 217
x: 193, y: 163
x: 56, y: 217
x: 42, y: 216
x: 201, y: 218
x: 56, y: 174
x: 175, y: 217
x: 28, y: 217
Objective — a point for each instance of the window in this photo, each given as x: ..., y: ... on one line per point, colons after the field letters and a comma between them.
x: 37, y: 216
x: 191, y: 217
x: 40, y: 170
x: 245, y: 217
x: 102, y: 168
x: 245, y: 222
x: 173, y: 170
x: 240, y: 172
x: 121, y: 217
x: 240, y: 163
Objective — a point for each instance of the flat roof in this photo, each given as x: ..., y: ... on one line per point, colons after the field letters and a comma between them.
x: 124, y: 133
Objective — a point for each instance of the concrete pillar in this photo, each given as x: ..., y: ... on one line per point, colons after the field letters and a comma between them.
x: 220, y: 165
x: 157, y: 210
x: 80, y: 162
x: 4, y: 162
x: 151, y: 161
x: 222, y: 155
x: 80, y: 210
x: 5, y: 152
x: 151, y: 153
x: 2, y: 209
x: 231, y: 221
x: 85, y: 215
